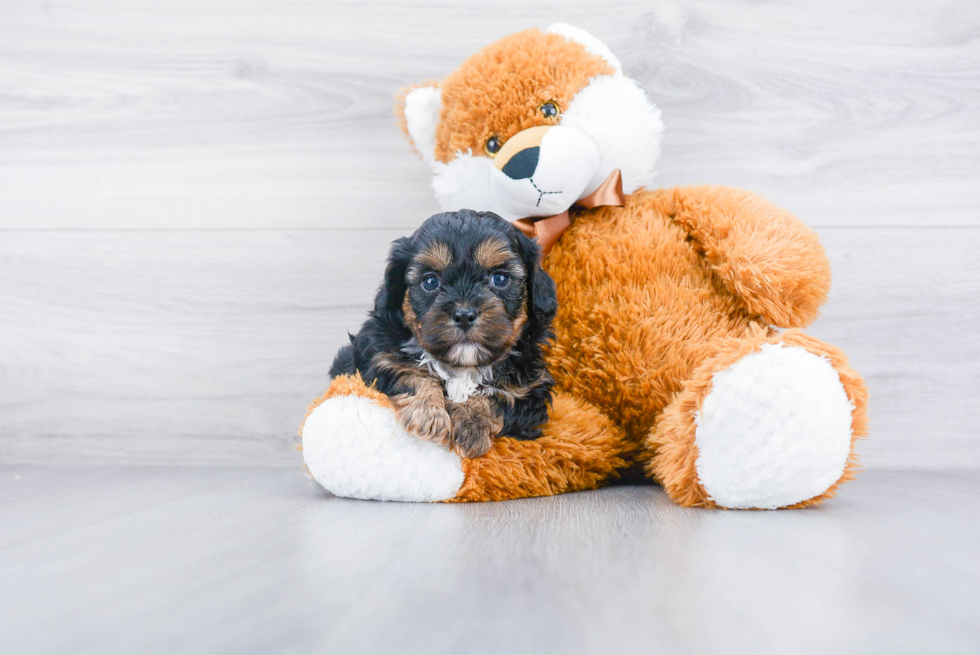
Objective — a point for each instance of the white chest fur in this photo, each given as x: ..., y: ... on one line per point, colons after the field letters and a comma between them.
x: 461, y: 382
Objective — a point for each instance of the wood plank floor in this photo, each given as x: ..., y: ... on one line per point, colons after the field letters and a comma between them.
x: 235, y: 560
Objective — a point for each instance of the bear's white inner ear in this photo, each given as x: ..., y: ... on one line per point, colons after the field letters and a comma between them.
x: 422, y: 107
x: 591, y: 44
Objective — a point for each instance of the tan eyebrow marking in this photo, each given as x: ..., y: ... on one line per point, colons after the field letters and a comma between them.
x: 492, y: 253
x: 436, y: 256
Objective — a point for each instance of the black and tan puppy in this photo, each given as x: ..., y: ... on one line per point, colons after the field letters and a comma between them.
x: 456, y: 333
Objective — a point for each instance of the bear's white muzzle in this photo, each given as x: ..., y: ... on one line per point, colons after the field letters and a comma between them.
x: 542, y: 171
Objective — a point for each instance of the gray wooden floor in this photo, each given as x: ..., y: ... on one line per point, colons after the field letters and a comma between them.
x: 237, y: 560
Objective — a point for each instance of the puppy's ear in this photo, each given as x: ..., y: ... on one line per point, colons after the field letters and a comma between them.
x: 542, y: 297
x: 417, y: 110
x: 388, y: 302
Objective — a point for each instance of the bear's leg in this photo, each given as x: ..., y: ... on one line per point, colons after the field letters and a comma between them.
x: 354, y: 447
x: 580, y: 448
x: 770, y: 421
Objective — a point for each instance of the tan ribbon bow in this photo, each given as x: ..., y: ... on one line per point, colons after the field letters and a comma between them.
x: 547, y: 229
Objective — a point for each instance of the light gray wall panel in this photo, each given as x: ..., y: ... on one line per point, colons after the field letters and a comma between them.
x: 174, y: 346
x: 268, y: 114
x: 196, y: 196
x: 204, y: 347
x: 905, y: 306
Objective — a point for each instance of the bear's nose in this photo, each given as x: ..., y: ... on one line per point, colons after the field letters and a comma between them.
x: 521, y: 166
x: 518, y: 158
x: 464, y: 317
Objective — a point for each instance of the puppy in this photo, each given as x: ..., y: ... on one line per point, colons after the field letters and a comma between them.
x: 455, y: 336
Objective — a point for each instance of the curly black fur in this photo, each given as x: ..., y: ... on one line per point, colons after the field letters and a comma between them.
x: 388, y: 348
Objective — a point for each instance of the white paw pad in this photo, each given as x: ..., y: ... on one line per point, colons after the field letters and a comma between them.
x: 355, y: 448
x: 774, y: 430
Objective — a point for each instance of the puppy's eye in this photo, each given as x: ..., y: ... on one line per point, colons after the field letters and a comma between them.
x: 500, y: 280
x: 494, y: 145
x: 430, y: 282
x: 549, y: 110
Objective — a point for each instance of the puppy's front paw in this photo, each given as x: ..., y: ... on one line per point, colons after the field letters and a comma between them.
x: 473, y: 435
x: 424, y: 419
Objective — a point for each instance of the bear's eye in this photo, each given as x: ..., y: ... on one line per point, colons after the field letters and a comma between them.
x: 493, y: 145
x: 549, y: 110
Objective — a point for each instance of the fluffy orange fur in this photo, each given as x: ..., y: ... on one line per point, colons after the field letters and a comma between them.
x: 654, y: 298
x: 769, y: 260
x: 497, y: 106
x: 650, y: 307
x: 641, y: 305
x: 580, y: 449
x: 671, y: 451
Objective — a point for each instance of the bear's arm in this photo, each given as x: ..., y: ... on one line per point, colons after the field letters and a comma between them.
x: 763, y: 254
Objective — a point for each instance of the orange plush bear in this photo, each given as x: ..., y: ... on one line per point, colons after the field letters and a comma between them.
x: 677, y: 337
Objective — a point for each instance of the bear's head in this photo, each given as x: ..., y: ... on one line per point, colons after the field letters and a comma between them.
x: 531, y: 124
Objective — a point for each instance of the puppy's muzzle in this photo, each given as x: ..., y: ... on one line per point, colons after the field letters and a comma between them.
x: 465, y: 317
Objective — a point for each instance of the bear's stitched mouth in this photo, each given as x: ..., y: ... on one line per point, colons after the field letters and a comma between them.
x: 541, y: 194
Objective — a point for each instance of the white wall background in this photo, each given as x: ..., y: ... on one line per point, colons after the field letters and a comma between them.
x: 196, y: 197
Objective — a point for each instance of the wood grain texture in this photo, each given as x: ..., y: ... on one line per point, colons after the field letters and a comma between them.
x: 205, y: 347
x: 159, y: 560
x: 277, y: 114
x: 196, y: 197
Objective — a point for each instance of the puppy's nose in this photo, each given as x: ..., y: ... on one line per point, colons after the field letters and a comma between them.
x: 519, y: 157
x: 465, y: 317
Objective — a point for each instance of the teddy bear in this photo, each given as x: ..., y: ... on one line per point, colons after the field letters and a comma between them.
x: 678, y: 348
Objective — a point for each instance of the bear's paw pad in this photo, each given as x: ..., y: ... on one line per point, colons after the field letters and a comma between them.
x: 356, y: 448
x: 775, y: 429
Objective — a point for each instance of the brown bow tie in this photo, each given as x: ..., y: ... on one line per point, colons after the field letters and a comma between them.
x: 547, y: 229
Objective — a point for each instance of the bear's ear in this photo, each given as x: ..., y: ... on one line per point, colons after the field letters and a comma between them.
x: 591, y: 44
x: 418, y: 111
